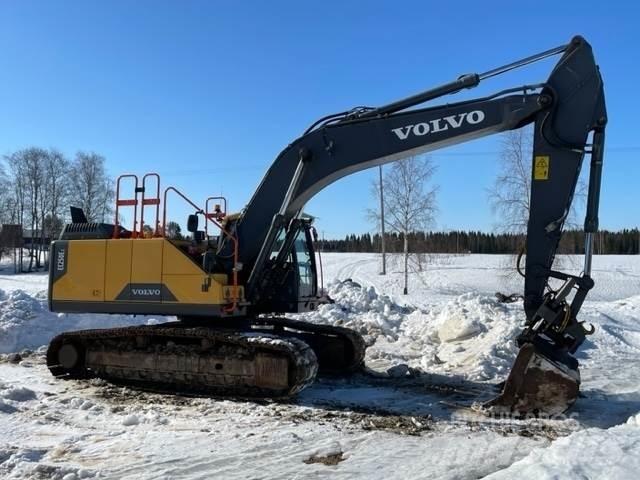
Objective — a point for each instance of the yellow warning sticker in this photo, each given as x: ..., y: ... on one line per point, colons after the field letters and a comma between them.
x: 541, y: 167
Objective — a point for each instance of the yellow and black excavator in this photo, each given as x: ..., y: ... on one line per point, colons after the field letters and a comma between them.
x: 231, y: 287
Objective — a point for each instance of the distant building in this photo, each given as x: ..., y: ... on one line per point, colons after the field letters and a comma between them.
x: 33, y: 238
x: 11, y: 236
x: 14, y: 236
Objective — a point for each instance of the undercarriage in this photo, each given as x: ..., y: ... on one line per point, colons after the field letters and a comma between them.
x: 269, y: 357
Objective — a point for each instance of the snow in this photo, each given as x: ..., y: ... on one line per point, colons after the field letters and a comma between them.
x: 613, y: 453
x: 130, y: 420
x: 447, y: 342
x: 361, y: 309
x: 26, y: 323
x: 19, y: 394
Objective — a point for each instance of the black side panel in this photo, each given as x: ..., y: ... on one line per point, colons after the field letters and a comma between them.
x: 58, y: 259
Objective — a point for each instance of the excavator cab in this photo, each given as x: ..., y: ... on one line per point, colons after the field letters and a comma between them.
x: 291, y: 272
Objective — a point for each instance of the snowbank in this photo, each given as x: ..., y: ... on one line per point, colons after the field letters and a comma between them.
x: 361, y: 309
x: 470, y: 335
x: 613, y: 453
x: 27, y: 323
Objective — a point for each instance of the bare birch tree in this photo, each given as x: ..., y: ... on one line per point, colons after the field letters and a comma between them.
x: 6, y: 198
x: 409, y: 201
x: 28, y: 180
x: 39, y: 185
x: 91, y: 187
x: 510, y: 194
x: 35, y: 159
x: 55, y: 195
x: 6, y: 204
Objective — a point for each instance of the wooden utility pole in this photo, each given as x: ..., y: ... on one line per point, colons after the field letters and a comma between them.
x: 382, y: 245
x: 405, y: 249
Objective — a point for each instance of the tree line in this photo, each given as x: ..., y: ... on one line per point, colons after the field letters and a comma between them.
x: 622, y: 242
x: 38, y: 185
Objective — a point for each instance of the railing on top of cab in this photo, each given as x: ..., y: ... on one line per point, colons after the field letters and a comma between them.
x: 130, y: 202
x: 232, y: 306
x: 150, y: 201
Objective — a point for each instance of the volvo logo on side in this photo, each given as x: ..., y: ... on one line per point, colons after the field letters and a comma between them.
x: 439, y: 124
x: 146, y: 292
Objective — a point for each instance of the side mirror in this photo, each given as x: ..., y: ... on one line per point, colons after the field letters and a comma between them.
x: 192, y: 223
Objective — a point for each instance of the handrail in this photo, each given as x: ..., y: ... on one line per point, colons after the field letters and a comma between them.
x: 214, y: 217
x: 234, y: 303
x: 126, y: 203
x: 150, y: 201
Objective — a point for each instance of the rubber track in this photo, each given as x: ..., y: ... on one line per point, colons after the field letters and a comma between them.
x: 355, y: 340
x: 301, y: 359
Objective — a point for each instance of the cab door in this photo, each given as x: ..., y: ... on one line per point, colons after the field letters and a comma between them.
x: 305, y: 265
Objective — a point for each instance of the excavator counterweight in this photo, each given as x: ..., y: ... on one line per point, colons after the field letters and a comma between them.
x: 230, y: 289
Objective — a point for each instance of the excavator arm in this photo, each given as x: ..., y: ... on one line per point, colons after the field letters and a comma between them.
x: 564, y: 110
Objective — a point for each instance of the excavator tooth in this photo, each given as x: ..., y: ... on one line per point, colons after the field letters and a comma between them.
x: 537, y: 385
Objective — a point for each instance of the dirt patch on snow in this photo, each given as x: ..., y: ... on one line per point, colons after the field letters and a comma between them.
x: 332, y: 459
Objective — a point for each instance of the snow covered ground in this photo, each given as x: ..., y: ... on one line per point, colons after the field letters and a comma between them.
x: 446, y: 342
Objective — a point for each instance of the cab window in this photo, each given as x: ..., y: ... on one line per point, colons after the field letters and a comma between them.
x: 277, y: 245
x: 305, y: 266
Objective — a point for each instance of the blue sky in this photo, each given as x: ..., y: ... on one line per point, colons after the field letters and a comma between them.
x: 207, y: 93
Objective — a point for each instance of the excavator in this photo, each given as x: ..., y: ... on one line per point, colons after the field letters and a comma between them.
x: 231, y: 284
